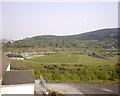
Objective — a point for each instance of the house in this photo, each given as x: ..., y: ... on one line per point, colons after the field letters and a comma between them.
x: 25, y: 55
x: 16, y: 58
x: 15, y: 81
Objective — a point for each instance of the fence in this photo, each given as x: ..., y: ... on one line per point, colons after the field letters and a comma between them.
x: 44, y: 85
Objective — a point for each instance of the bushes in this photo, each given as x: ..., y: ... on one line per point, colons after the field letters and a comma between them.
x: 118, y: 69
x: 71, y: 73
x: 114, y: 76
x: 14, y: 55
x: 75, y: 75
x: 103, y: 76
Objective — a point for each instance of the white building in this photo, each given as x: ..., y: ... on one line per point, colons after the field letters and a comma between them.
x: 16, y: 58
x: 25, y: 55
x: 15, y: 81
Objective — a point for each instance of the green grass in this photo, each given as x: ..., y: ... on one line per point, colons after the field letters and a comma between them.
x: 114, y: 58
x: 58, y: 58
x: 85, y: 60
x: 95, y: 69
x: 69, y: 58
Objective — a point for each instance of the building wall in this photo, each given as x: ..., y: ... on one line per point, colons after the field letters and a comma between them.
x: 8, y: 68
x: 18, y: 89
x: 0, y: 86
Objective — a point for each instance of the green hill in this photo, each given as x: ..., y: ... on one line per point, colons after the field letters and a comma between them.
x: 99, y: 39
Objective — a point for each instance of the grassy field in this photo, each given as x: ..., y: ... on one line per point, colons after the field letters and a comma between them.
x: 114, y: 58
x: 57, y: 58
x: 71, y: 68
x: 70, y: 58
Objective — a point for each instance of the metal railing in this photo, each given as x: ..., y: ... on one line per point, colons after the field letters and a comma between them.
x: 44, y: 85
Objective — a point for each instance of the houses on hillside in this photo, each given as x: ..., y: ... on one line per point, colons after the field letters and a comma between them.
x: 15, y: 81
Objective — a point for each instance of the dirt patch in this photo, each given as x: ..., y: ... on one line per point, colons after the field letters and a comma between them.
x: 97, y: 56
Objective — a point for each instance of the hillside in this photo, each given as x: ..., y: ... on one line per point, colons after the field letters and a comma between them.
x: 99, y: 39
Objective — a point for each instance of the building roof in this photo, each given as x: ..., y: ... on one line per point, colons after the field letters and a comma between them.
x: 4, y: 64
x: 18, y: 77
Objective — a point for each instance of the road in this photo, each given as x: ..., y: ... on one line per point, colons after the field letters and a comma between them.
x: 65, y: 63
x: 83, y: 89
x: 76, y: 88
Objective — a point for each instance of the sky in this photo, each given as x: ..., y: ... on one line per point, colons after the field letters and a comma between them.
x: 28, y: 19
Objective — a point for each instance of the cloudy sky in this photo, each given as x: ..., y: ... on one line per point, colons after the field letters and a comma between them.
x: 21, y: 20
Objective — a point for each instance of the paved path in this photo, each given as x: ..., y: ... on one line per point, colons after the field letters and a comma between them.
x: 77, y: 88
x: 96, y: 88
x: 63, y: 88
x: 64, y: 63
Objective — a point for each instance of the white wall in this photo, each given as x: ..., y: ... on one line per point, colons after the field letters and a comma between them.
x: 8, y: 68
x: 18, y: 89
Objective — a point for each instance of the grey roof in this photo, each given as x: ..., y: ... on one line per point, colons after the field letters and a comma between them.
x: 25, y: 54
x: 4, y: 64
x: 18, y: 77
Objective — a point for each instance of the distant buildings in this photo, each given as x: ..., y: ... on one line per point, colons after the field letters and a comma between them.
x: 25, y: 55
x: 6, y: 41
x: 16, y: 58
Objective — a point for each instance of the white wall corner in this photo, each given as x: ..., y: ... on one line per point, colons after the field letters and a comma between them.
x: 18, y: 89
x: 8, y: 68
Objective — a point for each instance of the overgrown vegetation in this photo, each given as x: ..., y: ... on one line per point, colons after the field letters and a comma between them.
x: 14, y: 55
x: 105, y: 71
x: 54, y: 93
